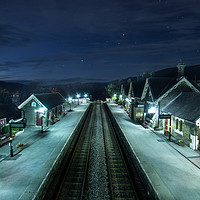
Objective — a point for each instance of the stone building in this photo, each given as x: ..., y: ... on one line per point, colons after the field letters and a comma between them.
x: 136, y: 107
x: 42, y: 109
x: 158, y: 92
x: 185, y: 112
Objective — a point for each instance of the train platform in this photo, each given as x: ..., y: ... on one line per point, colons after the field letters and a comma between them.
x: 22, y: 175
x: 173, y: 170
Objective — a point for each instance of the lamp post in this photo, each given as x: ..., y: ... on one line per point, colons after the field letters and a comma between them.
x: 114, y: 98
x: 127, y: 104
x: 85, y: 95
x: 11, y: 144
x: 70, y: 101
x: 78, y: 96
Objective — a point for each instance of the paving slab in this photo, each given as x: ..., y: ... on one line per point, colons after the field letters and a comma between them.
x: 22, y: 175
x: 175, y: 167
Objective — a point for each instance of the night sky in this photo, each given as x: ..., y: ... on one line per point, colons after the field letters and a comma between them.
x: 96, y: 40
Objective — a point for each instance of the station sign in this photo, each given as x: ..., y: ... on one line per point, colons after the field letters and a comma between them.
x: 19, y: 124
x: 164, y: 116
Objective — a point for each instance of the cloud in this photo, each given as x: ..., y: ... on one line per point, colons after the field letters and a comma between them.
x: 13, y: 36
x: 112, y: 37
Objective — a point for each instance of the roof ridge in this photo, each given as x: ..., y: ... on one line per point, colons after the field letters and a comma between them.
x: 172, y: 100
x: 47, y: 93
x: 165, y: 88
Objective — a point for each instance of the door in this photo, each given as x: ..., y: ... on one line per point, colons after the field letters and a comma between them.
x: 38, y: 119
x: 166, y: 124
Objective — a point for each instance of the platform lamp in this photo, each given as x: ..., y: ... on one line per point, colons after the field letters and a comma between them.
x: 85, y: 95
x: 70, y: 102
x: 78, y: 96
x: 11, y: 138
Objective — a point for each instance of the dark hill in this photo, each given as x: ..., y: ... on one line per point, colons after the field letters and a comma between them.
x: 94, y: 90
x: 191, y: 73
x: 10, y: 86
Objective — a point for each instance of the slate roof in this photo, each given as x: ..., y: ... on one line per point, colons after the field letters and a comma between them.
x: 185, y: 106
x: 9, y: 111
x: 50, y: 100
x: 160, y: 85
x: 138, y: 88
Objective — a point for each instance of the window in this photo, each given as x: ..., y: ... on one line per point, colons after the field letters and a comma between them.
x: 33, y: 104
x: 176, y: 123
x: 179, y: 126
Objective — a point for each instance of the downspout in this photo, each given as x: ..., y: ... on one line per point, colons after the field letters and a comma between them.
x: 170, y: 128
x: 158, y: 113
x: 195, y: 134
x: 195, y: 138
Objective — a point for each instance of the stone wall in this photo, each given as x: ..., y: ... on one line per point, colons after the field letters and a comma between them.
x: 30, y: 114
x: 187, y: 132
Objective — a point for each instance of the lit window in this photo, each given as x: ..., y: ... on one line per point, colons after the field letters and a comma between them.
x: 33, y: 104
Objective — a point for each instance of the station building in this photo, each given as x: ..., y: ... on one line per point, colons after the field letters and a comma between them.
x: 43, y: 109
x: 185, y: 118
x: 159, y: 91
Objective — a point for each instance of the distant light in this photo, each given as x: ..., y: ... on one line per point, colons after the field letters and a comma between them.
x: 198, y: 122
x: 85, y: 95
x: 41, y: 110
x: 78, y: 95
x: 120, y: 96
x: 152, y: 110
x: 127, y: 99
x: 115, y: 95
x: 70, y: 99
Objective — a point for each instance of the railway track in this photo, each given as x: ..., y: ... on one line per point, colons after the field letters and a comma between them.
x: 121, y: 185
x: 73, y: 183
x: 97, y: 168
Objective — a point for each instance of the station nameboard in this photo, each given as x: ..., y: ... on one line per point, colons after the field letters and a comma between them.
x: 19, y: 124
x: 164, y: 116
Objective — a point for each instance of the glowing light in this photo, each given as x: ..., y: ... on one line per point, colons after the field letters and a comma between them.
x: 198, y: 122
x: 69, y: 99
x: 152, y: 110
x: 85, y: 95
x: 78, y: 96
x: 41, y: 110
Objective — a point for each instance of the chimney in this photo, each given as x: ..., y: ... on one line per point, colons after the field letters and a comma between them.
x: 181, y: 66
x: 122, y: 88
x: 130, y: 92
